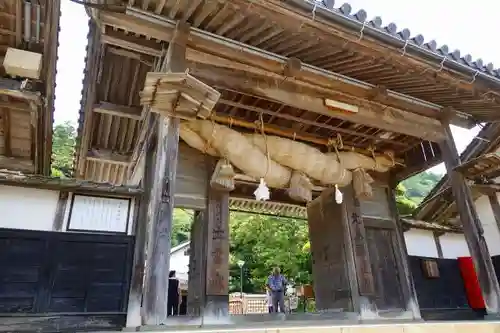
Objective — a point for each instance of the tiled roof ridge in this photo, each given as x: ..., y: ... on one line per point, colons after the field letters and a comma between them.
x: 408, y: 42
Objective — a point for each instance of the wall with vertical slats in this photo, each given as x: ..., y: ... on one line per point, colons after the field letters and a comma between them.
x: 192, y: 178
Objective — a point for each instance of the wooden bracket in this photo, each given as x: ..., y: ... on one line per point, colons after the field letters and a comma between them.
x: 292, y: 67
x: 378, y: 93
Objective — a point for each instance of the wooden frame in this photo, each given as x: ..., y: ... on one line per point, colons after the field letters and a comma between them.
x: 129, y: 206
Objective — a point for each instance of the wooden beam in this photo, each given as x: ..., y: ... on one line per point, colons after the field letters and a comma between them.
x: 18, y: 164
x: 65, y: 184
x: 108, y: 156
x: 272, y: 129
x: 16, y: 106
x: 140, y: 49
x: 6, y: 133
x: 162, y: 197
x: 471, y: 224
x: 307, y: 97
x: 481, y: 166
x: 307, y: 121
x: 372, y: 113
x: 119, y: 110
x: 234, y: 55
x: 486, y: 189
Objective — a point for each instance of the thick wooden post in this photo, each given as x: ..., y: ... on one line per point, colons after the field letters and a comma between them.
x: 162, y: 197
x: 439, y: 248
x: 134, y: 315
x: 471, y: 224
x: 197, y: 265
x: 406, y: 277
x: 363, y: 290
x: 217, y: 251
x: 495, y: 207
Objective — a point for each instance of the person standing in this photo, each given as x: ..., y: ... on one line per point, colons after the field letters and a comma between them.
x: 277, y: 284
x: 173, y: 295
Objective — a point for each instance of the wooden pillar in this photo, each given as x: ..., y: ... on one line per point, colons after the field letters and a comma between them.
x: 471, y: 224
x: 335, y: 286
x: 134, y: 315
x: 495, y: 207
x: 162, y: 198
x: 439, y: 248
x: 62, y: 203
x: 217, y: 254
x: 197, y: 265
x: 406, y: 277
x: 363, y: 290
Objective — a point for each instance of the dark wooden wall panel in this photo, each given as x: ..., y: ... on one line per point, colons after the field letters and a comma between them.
x: 385, y: 270
x: 445, y: 292
x: 48, y: 272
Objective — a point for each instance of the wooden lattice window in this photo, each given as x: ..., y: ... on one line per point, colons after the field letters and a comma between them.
x: 430, y: 268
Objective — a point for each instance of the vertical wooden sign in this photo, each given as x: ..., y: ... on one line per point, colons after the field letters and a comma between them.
x: 218, y: 244
x: 358, y: 238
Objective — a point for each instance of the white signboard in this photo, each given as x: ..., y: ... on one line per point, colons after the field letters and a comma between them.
x: 99, y: 214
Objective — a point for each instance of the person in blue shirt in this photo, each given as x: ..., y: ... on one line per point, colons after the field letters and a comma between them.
x: 277, y: 285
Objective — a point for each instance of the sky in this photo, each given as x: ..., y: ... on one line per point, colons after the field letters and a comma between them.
x: 459, y: 25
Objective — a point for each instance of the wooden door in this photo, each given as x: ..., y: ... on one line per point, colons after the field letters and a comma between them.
x: 388, y: 292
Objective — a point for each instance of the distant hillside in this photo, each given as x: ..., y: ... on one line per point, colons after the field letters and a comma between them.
x: 418, y: 186
x: 411, y: 192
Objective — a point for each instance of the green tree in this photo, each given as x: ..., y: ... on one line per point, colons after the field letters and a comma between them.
x: 410, y: 192
x: 181, y: 226
x: 63, y: 147
x: 418, y: 186
x: 264, y: 242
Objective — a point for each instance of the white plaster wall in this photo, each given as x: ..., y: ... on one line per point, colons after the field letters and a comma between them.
x: 454, y: 246
x: 180, y: 263
x: 420, y: 243
x: 491, y: 232
x: 27, y: 208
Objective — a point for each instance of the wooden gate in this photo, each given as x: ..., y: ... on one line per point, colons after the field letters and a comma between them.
x: 64, y: 273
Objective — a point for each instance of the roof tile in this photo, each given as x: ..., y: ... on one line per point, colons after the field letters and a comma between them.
x: 404, y: 34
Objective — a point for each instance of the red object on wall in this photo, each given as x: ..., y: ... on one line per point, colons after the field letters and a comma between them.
x: 471, y: 283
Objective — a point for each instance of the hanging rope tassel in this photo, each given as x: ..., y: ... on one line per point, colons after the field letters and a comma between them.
x: 262, y: 192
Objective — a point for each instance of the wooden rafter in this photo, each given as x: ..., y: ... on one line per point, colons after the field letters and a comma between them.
x: 200, y: 50
x: 119, y: 110
x: 482, y: 166
x: 335, y: 129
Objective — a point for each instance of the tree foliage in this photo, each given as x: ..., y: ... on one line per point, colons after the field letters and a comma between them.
x: 63, y: 147
x: 264, y: 242
x: 418, y: 186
